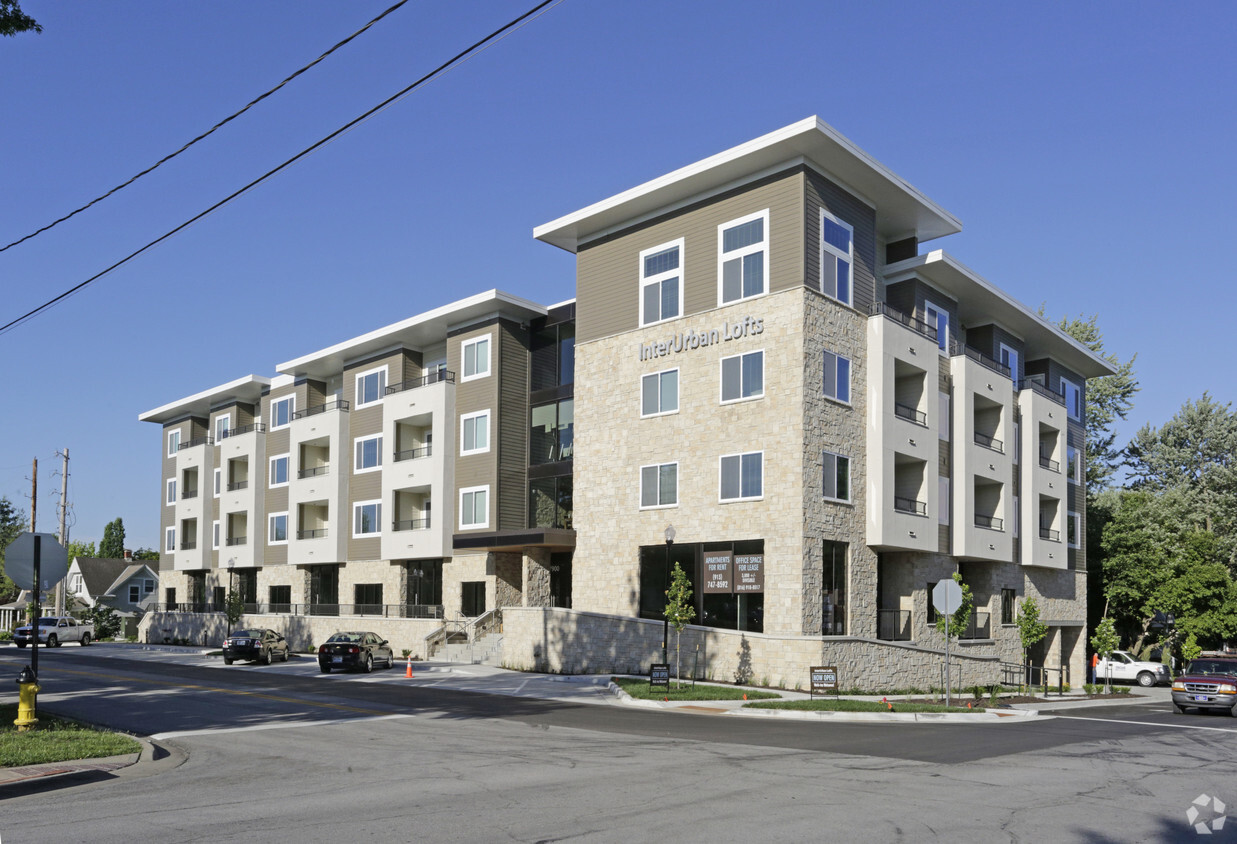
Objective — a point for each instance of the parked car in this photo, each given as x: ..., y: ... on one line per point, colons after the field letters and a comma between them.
x: 255, y: 645
x: 355, y: 651
x: 1209, y: 682
x: 54, y: 631
x: 1120, y: 665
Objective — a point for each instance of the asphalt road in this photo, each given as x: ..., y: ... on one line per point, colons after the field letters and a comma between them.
x: 282, y: 753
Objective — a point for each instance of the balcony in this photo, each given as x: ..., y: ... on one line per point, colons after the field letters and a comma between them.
x: 197, y: 441
x: 237, y: 540
x: 910, y: 505
x: 918, y: 326
x: 990, y: 442
x: 990, y: 522
x: 414, y: 453
x: 910, y: 414
x: 316, y: 533
x: 893, y: 625
x: 313, y: 472
x: 258, y: 427
x: 1049, y: 534
x: 189, y: 545
x: 338, y: 404
x: 1047, y: 392
x: 412, y: 524
x: 439, y: 375
x: 233, y: 487
x: 1048, y: 463
x: 979, y: 357
x: 189, y: 493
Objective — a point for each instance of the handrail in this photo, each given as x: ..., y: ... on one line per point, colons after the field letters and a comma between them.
x: 338, y: 404
x: 989, y: 522
x: 313, y: 533
x: 1049, y: 463
x: 196, y: 441
x: 238, y: 485
x: 313, y: 471
x: 910, y: 505
x: 989, y: 442
x: 414, y: 453
x: 979, y: 357
x: 1047, y: 392
x: 437, y: 375
x: 260, y: 427
x: 1050, y: 534
x: 916, y: 325
x: 411, y: 524
x: 910, y: 414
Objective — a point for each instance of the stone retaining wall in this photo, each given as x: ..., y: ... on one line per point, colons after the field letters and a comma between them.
x: 302, y: 632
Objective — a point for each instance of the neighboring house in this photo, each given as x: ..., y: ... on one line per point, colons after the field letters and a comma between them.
x: 128, y: 586
x: 13, y: 615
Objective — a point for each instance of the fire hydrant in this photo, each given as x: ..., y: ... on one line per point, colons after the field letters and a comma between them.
x: 27, y: 689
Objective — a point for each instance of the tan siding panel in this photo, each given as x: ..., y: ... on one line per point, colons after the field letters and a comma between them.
x: 820, y: 192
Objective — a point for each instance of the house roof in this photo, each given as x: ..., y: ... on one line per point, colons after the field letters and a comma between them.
x: 101, y: 575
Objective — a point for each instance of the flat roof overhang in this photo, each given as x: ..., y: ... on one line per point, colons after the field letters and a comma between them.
x: 980, y: 302
x: 416, y: 332
x: 902, y: 211
x: 247, y: 389
x: 556, y: 539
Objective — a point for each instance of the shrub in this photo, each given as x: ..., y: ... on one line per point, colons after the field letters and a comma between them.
x: 6, y: 635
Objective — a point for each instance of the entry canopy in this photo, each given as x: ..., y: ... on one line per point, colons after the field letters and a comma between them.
x: 19, y: 561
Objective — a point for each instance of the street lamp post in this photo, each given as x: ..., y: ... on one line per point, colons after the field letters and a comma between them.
x: 665, y: 619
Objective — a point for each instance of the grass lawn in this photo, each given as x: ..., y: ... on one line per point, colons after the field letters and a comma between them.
x: 836, y: 705
x: 640, y: 690
x: 54, y: 740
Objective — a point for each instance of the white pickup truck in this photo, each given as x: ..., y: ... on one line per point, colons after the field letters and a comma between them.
x: 54, y: 631
x: 1120, y: 665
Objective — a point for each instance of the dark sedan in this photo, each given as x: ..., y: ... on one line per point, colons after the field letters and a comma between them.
x: 264, y: 646
x: 354, y: 651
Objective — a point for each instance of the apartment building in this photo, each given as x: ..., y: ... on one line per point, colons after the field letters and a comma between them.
x: 778, y: 389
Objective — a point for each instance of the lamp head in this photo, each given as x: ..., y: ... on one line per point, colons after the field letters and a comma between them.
x: 670, y: 533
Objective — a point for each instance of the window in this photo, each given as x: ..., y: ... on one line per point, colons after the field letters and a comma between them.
x: 370, y: 386
x: 280, y: 598
x: 741, y: 249
x: 368, y: 454
x: 218, y: 481
x: 837, y: 257
x: 1009, y: 357
x: 837, y: 377
x: 476, y: 358
x: 836, y: 476
x: 366, y: 518
x: 148, y: 586
x: 214, y: 530
x: 938, y: 318
x: 1073, y: 399
x: 743, y: 376
x: 281, y: 411
x: 1073, y: 465
x: 169, y: 539
x: 223, y: 427
x: 742, y: 476
x: 1007, y: 606
x: 661, y: 283
x: 1073, y: 528
x: 278, y: 533
x: 833, y: 588
x: 659, y: 393
x: 279, y: 470
x: 173, y: 443
x: 367, y: 598
x: 475, y: 507
x: 659, y: 485
x: 171, y: 499
x: 551, y: 435
x: 475, y: 433
x: 134, y: 593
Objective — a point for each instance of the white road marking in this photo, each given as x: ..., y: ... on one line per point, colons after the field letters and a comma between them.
x: 1148, y: 723
x: 276, y: 725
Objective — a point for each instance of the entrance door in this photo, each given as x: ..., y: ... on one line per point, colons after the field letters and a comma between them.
x: 560, y: 580
x: 324, y: 590
x: 472, y: 598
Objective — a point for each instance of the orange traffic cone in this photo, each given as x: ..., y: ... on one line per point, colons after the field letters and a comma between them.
x: 408, y: 670
x: 745, y: 695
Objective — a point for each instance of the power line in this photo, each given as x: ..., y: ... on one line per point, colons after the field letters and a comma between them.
x: 205, y: 134
x: 442, y: 68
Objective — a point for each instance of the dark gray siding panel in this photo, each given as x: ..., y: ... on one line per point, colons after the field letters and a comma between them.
x: 512, y: 427
x: 822, y: 193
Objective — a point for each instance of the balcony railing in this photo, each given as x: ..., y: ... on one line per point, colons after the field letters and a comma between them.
x: 910, y: 505
x: 427, y: 611
x: 905, y: 411
x: 313, y: 471
x: 893, y: 625
x: 444, y: 375
x: 189, y: 493
x: 258, y: 427
x: 1035, y: 386
x: 316, y: 533
x: 979, y: 357
x: 979, y: 627
x: 1048, y: 463
x: 237, y: 540
x: 1049, y: 533
x: 989, y: 522
x: 338, y: 404
x: 233, y: 487
x: 195, y: 442
x: 918, y: 326
x: 188, y: 545
x: 990, y: 442
x: 413, y: 453
x: 412, y: 524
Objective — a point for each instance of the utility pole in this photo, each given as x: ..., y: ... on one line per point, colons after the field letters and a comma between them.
x: 64, y: 527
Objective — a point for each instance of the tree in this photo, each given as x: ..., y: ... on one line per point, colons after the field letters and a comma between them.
x: 679, y: 611
x: 1030, y: 629
x: 146, y: 554
x: 13, y: 20
x: 233, y: 608
x: 1105, y: 642
x: 113, y: 545
x: 107, y: 621
x: 960, y: 619
x: 1191, y: 650
x: 80, y: 549
x: 12, y: 522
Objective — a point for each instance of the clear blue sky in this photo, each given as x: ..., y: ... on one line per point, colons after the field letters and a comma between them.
x: 1087, y: 149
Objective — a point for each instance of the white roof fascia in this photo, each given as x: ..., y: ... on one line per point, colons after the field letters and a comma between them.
x: 250, y: 385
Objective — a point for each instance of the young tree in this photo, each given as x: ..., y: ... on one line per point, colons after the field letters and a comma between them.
x: 107, y: 621
x: 1105, y: 642
x: 679, y: 611
x: 1191, y: 650
x: 233, y: 608
x: 960, y: 619
x: 113, y: 545
x: 1030, y: 629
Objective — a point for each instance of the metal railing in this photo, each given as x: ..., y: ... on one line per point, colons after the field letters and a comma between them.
x: 893, y: 625
x: 910, y: 414
x: 413, y: 453
x: 315, y: 533
x: 1047, y: 392
x: 443, y: 375
x: 1049, y: 533
x: 189, y: 493
x: 195, y: 442
x: 989, y: 522
x: 338, y: 404
x: 916, y: 325
x: 188, y: 545
x: 979, y: 626
x: 909, y: 505
x: 979, y: 357
x: 259, y: 427
x: 413, y: 611
x: 1034, y: 676
x: 237, y: 540
x: 233, y: 487
x: 990, y: 442
x: 411, y: 524
x: 1049, y: 463
x: 313, y: 471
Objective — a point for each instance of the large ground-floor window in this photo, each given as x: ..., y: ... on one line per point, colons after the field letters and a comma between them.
x: 833, y: 588
x: 727, y: 579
